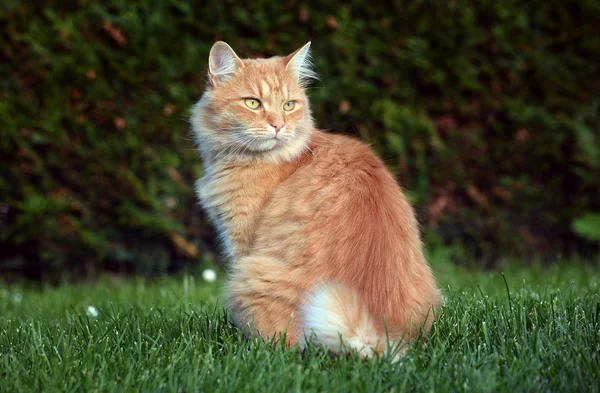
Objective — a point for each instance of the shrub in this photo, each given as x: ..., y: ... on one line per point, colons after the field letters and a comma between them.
x: 487, y: 111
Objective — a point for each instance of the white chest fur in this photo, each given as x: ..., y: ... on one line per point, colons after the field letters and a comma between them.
x: 233, y: 198
x: 213, y: 194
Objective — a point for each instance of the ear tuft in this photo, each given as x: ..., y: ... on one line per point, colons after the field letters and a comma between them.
x: 300, y: 65
x: 223, y: 63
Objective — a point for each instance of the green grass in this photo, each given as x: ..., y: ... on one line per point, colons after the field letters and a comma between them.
x: 537, y: 331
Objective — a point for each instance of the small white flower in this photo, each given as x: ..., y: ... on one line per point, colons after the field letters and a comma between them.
x: 209, y: 275
x: 170, y: 202
x: 17, y: 298
x: 91, y: 312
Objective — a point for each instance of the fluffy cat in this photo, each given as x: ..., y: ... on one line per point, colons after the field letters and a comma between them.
x: 321, y: 239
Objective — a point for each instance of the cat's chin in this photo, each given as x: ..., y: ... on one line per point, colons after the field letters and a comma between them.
x: 276, y: 149
x: 262, y: 149
x: 266, y: 145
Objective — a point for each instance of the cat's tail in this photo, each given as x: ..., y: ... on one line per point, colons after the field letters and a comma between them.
x: 336, y: 316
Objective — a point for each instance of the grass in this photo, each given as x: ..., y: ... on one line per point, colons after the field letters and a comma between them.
x: 530, y: 329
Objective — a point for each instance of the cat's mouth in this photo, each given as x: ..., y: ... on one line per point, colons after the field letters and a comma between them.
x: 265, y: 144
x: 263, y: 141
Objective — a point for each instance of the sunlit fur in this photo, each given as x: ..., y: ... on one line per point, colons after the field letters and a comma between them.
x: 322, y: 241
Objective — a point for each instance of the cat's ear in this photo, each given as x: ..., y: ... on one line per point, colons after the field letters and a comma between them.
x: 300, y: 65
x: 223, y: 63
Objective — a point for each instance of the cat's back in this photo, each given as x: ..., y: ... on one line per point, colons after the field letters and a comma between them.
x: 342, y: 166
x: 341, y: 188
x: 343, y: 213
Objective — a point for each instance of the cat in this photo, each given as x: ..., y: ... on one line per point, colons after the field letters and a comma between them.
x: 323, y: 244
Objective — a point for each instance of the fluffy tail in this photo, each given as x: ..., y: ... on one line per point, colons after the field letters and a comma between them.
x: 336, y: 314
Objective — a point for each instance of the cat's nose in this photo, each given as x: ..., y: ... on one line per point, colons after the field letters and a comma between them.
x: 277, y: 126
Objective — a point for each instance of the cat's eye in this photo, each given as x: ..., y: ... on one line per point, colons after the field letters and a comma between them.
x: 288, y: 106
x: 252, y: 103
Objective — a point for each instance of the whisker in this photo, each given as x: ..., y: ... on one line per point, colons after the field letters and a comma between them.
x: 327, y: 139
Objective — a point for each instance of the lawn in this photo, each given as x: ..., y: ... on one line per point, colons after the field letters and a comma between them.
x: 529, y: 329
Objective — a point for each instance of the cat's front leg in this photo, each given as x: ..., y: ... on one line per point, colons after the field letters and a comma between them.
x: 263, y: 296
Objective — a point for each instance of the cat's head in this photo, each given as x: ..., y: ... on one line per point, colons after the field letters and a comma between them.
x: 254, y: 107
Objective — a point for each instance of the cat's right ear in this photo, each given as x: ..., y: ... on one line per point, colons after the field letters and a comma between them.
x: 300, y: 65
x: 223, y: 63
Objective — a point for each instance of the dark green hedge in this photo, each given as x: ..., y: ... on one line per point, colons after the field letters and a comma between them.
x: 487, y: 110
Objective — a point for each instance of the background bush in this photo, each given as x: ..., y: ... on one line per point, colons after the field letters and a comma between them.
x: 486, y: 110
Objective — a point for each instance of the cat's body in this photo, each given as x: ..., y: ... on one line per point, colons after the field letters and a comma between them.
x: 321, y: 239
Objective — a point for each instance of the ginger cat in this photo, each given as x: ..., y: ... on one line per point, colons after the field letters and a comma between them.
x: 322, y: 241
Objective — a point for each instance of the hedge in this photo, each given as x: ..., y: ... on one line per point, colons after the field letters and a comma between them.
x: 487, y: 111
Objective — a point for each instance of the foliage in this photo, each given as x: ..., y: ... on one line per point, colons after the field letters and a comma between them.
x: 487, y: 111
x: 588, y: 226
x: 541, y: 335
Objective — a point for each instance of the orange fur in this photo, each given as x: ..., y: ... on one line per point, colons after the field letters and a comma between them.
x: 321, y: 238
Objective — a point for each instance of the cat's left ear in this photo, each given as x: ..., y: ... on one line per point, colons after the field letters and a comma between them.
x: 223, y: 63
x: 300, y: 65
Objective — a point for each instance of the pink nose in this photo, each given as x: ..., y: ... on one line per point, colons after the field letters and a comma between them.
x: 277, y: 127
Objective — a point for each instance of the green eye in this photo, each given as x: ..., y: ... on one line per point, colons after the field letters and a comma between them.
x: 288, y: 106
x: 252, y: 103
